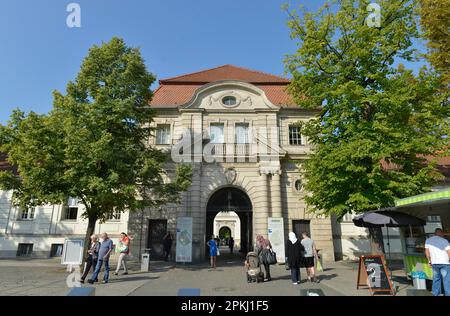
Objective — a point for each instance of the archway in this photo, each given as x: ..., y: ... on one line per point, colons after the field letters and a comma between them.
x: 232, y: 199
x: 224, y: 233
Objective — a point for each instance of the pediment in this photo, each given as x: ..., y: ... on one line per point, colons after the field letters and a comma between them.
x: 231, y: 96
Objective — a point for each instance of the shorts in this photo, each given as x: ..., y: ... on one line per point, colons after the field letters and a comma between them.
x: 308, y: 262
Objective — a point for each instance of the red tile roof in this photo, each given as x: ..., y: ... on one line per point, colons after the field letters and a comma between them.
x: 227, y: 72
x: 179, y: 90
x: 4, y: 164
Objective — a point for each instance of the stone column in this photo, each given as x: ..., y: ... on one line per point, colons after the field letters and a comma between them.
x: 261, y: 211
x: 275, y: 194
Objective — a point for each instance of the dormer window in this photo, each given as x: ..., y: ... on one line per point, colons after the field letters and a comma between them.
x: 229, y: 101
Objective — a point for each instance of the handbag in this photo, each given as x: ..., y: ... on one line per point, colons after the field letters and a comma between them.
x: 218, y: 252
x: 271, y: 257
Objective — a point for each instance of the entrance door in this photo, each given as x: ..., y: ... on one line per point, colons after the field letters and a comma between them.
x: 301, y: 226
x: 157, y: 229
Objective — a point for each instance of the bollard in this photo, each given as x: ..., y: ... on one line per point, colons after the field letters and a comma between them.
x: 189, y: 292
x: 82, y: 291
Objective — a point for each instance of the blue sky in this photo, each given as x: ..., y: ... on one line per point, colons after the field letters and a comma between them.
x: 39, y: 53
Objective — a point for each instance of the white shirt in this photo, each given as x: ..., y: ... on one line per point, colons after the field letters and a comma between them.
x: 438, y: 248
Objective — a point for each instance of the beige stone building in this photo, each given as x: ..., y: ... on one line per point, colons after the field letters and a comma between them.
x: 237, y: 127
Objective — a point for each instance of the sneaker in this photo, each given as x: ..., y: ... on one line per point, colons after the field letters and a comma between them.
x: 82, y: 281
x: 299, y: 282
x: 125, y: 273
x: 295, y: 283
x: 91, y: 281
x: 104, y: 282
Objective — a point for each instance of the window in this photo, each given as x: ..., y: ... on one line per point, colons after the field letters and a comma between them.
x: 163, y: 134
x: 27, y: 214
x: 298, y: 185
x: 295, y: 137
x: 70, y: 212
x: 433, y: 219
x: 229, y: 101
x: 114, y: 216
x: 25, y: 250
x: 241, y: 131
x: 216, y: 133
x: 56, y: 250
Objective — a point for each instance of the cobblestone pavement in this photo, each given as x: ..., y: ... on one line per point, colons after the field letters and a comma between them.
x: 48, y: 277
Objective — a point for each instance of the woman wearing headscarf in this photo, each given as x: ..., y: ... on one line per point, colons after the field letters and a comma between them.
x: 294, y: 254
x: 262, y: 246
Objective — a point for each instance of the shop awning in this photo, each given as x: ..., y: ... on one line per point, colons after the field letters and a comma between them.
x: 431, y: 197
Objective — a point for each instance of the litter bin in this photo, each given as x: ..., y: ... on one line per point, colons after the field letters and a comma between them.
x: 419, y: 280
x: 145, y: 261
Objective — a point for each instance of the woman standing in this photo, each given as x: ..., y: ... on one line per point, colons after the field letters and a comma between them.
x: 262, y: 246
x: 124, y: 250
x: 212, y: 244
x: 294, y: 254
x: 92, y: 257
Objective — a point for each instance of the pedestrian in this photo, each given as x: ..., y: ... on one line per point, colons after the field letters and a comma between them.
x: 437, y: 250
x: 91, y: 261
x: 124, y: 252
x: 262, y: 247
x: 310, y: 255
x: 212, y: 244
x: 104, y: 253
x: 167, y: 244
x: 294, y: 257
x: 231, y: 244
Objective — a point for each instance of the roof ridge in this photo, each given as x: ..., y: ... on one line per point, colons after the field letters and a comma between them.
x: 259, y: 71
x: 276, y: 78
x: 193, y: 73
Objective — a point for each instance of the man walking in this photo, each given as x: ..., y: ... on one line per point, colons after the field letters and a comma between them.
x: 437, y: 250
x: 103, y: 257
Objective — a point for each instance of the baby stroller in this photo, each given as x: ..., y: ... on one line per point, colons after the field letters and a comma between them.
x: 254, y: 273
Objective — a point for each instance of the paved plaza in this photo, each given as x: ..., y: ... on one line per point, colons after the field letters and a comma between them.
x: 48, y: 277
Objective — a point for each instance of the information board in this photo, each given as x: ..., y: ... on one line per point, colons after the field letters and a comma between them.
x: 73, y: 252
x: 184, y: 239
x: 276, y: 237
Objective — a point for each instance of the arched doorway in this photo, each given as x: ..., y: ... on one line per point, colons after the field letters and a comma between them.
x: 225, y: 233
x: 231, y: 199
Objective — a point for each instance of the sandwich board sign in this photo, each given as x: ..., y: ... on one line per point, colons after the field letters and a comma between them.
x: 372, y: 272
x: 72, y: 252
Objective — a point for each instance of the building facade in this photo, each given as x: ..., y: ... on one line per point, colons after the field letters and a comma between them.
x: 238, y: 129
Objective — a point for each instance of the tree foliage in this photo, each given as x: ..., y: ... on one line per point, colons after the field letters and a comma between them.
x: 93, y: 145
x: 435, y: 21
x: 372, y: 113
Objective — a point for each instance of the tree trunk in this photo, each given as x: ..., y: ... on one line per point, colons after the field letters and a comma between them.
x: 92, y: 220
x: 376, y: 240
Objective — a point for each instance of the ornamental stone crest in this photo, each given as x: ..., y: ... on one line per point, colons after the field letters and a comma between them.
x: 230, y: 175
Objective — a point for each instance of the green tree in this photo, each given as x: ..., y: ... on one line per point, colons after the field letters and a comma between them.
x: 93, y: 145
x: 370, y: 112
x: 435, y: 21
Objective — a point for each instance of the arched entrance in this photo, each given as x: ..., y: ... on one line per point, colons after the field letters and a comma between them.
x: 224, y: 233
x: 231, y: 199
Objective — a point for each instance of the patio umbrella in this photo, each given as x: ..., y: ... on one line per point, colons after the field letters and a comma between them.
x: 387, y: 218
